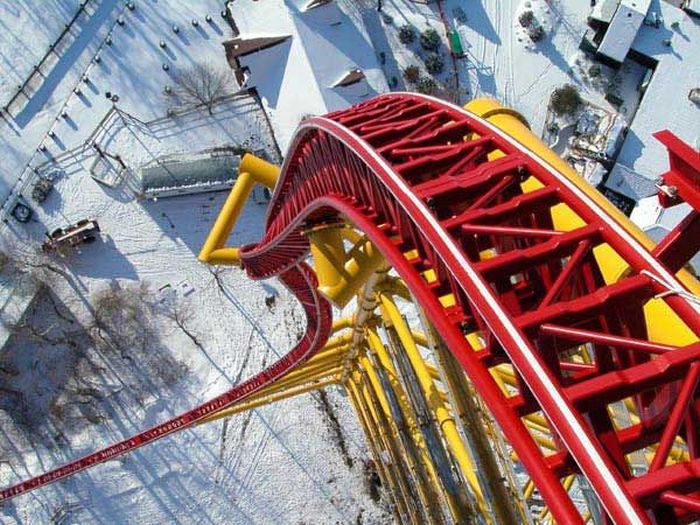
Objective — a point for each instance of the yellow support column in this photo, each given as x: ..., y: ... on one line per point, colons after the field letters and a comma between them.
x: 252, y: 170
x: 441, y: 412
x: 340, y: 274
x: 425, y: 468
x: 503, y: 504
x: 400, y: 493
x: 259, y: 401
x: 263, y: 172
x: 426, y: 497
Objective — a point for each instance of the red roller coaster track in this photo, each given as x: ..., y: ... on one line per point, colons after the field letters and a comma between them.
x: 399, y: 168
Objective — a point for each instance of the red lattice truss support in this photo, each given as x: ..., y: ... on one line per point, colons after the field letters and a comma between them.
x: 398, y: 168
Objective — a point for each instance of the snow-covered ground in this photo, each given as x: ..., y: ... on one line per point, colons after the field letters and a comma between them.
x: 20, y: 55
x: 267, y: 466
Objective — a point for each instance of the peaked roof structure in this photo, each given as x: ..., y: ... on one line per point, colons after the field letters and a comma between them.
x: 239, y: 47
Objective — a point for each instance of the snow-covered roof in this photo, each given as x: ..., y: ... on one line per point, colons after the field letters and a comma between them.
x: 239, y: 47
x: 604, y: 10
x: 626, y: 181
x: 623, y: 29
x: 297, y: 78
x: 665, y: 104
x: 692, y: 6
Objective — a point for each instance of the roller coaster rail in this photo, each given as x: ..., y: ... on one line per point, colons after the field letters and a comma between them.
x: 560, y: 341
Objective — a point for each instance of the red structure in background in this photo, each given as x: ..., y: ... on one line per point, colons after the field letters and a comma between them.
x: 680, y: 183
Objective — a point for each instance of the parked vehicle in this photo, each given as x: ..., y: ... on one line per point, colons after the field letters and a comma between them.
x: 82, y: 232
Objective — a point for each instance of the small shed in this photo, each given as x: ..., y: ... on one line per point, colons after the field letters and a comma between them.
x: 623, y: 29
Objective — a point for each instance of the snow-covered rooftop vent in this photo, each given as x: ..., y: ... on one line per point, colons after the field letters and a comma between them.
x: 694, y: 95
x: 351, y: 77
x: 623, y: 29
x: 182, y: 175
x: 316, y: 3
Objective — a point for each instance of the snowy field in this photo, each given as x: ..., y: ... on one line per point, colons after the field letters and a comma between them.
x: 20, y: 55
x: 262, y: 467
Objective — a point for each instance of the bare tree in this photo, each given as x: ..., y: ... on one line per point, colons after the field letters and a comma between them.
x: 202, y: 84
x: 180, y: 312
x: 125, y: 323
x: 123, y: 319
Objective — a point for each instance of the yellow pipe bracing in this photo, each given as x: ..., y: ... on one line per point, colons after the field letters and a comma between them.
x: 405, y: 478
x: 340, y: 274
x: 397, y: 448
x: 435, y: 402
x: 271, y: 398
x: 251, y: 170
x: 302, y: 377
x: 369, y: 368
x: 342, y: 323
x: 263, y: 172
x: 396, y: 286
x: 364, y: 313
x: 379, y: 351
x: 389, y: 476
x: 506, y: 506
x: 392, y: 473
x: 337, y: 351
x: 320, y: 375
x: 372, y: 420
x: 315, y: 369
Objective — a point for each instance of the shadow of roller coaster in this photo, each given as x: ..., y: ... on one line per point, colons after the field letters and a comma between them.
x: 519, y: 351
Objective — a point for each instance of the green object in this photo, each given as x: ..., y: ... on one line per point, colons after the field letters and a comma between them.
x: 455, y: 43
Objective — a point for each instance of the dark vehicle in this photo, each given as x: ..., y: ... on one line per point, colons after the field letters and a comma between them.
x: 82, y: 232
